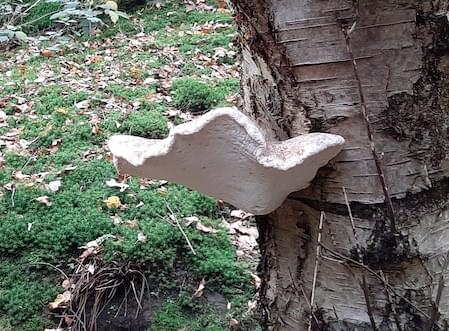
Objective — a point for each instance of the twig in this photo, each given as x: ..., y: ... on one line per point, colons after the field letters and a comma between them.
x: 390, y: 302
x: 180, y: 228
x: 51, y: 265
x: 31, y: 7
x: 315, y: 271
x: 295, y: 287
x: 436, y: 304
x: 363, y: 108
x: 366, y: 294
x: 13, y: 195
x: 359, y: 251
x: 391, y: 288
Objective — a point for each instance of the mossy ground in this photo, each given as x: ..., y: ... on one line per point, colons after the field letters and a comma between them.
x: 60, y: 110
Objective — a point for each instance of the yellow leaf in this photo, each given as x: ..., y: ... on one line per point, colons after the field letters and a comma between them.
x: 61, y: 110
x: 113, y: 202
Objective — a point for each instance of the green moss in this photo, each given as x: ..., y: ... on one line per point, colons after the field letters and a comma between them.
x: 192, y: 95
x: 127, y: 93
x: 52, y: 97
x: 23, y: 294
x: 144, y: 123
x: 173, y: 317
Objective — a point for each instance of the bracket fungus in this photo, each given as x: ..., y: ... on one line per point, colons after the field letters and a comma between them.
x: 225, y: 155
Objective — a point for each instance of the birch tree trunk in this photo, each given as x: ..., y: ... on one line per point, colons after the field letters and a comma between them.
x: 377, y: 73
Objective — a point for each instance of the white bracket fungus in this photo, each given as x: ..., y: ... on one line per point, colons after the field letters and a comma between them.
x: 225, y: 155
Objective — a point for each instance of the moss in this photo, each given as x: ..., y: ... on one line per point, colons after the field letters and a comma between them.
x: 144, y: 123
x: 23, y: 293
x: 128, y: 93
x: 192, y: 95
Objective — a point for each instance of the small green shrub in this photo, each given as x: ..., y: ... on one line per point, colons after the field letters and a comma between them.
x: 192, y: 95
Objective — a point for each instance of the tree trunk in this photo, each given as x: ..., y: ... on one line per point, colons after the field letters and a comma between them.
x: 367, y: 245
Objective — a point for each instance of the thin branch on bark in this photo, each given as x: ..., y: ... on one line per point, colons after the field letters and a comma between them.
x: 366, y: 294
x: 390, y: 302
x: 357, y: 245
x: 315, y: 271
x: 391, y: 288
x: 363, y: 108
x: 295, y: 287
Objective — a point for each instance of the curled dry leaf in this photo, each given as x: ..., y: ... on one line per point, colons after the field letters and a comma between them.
x: 61, y: 301
x: 256, y: 281
x: 45, y: 200
x: 17, y: 174
x: 53, y: 186
x: 113, y: 202
x: 233, y: 324
x: 199, y: 291
x: 82, y: 104
x: 206, y: 229
x: 141, y: 237
x: 114, y: 183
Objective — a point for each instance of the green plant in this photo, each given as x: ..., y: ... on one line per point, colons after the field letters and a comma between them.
x: 88, y: 13
x: 192, y: 95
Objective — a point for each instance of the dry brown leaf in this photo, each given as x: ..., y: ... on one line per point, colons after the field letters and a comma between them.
x: 199, y: 291
x: 47, y: 53
x: 45, y: 200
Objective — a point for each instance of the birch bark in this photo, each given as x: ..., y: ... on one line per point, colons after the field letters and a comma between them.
x: 377, y: 73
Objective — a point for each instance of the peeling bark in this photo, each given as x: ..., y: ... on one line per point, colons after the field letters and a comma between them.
x: 300, y: 75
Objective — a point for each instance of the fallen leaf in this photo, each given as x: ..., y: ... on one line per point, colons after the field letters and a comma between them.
x: 61, y: 110
x: 132, y: 224
x: 82, y: 104
x: 234, y: 324
x: 17, y: 174
x: 206, y: 229
x: 98, y: 242
x: 191, y: 219
x: 113, y: 202
x: 199, y: 291
x: 256, y: 281
x: 141, y: 237
x: 45, y: 200
x: 240, y: 214
x: 53, y: 186
x: 114, y: 183
x: 61, y: 301
x: 47, y: 53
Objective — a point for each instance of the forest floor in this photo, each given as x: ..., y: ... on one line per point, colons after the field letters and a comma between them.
x: 80, y: 244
